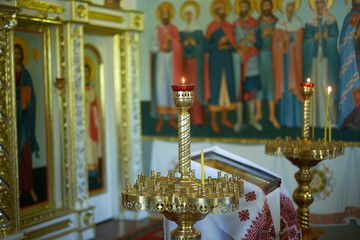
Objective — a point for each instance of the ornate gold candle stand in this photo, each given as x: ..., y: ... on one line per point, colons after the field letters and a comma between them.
x: 184, y: 200
x: 304, y: 153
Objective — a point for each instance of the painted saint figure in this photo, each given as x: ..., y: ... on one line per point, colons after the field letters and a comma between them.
x: 25, y: 114
x: 93, y: 124
x: 267, y: 23
x: 287, y: 66
x: 349, y: 84
x: 321, y: 59
x: 193, y: 54
x: 248, y: 43
x: 166, y: 49
x: 219, y: 44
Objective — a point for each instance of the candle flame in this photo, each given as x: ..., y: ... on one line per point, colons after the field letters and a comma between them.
x: 308, y: 80
x: 183, y: 80
x: 329, y: 89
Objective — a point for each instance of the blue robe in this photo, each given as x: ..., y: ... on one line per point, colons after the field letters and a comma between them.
x: 266, y: 68
x: 219, y: 60
x: 321, y: 63
x: 250, y: 71
x: 349, y: 68
x: 329, y: 49
x: 26, y: 117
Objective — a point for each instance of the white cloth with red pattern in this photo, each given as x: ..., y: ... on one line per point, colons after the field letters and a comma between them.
x: 259, y: 217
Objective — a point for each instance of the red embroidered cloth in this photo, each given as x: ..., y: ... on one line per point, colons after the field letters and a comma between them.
x: 259, y: 217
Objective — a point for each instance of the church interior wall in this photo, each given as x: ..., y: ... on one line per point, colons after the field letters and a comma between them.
x: 159, y: 153
x: 121, y: 135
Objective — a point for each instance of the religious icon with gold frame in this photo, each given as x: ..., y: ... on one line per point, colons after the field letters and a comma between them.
x: 93, y: 118
x: 34, y: 118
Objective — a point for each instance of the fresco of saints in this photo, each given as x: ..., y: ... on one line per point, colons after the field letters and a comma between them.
x: 266, y: 23
x: 287, y: 65
x: 193, y: 53
x: 248, y: 40
x: 219, y: 44
x: 166, y: 67
x: 349, y: 85
x: 92, y: 114
x: 25, y: 118
x: 321, y: 59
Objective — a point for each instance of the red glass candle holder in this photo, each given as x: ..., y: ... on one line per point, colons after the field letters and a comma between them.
x: 183, y: 87
x: 307, y: 84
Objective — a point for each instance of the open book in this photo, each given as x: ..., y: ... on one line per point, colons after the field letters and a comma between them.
x: 222, y: 161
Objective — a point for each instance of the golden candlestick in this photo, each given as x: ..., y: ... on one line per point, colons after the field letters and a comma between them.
x: 304, y: 153
x: 184, y: 200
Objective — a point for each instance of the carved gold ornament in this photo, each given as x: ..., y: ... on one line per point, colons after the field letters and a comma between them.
x: 81, y: 11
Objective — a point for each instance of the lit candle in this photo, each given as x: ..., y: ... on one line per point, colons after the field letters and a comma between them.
x: 183, y: 87
x: 312, y: 112
x: 327, y: 111
x: 329, y: 130
x: 202, y: 168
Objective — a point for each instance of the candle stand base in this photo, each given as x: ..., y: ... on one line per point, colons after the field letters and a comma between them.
x: 304, y: 154
x: 184, y: 200
x: 185, y: 222
x: 311, y: 233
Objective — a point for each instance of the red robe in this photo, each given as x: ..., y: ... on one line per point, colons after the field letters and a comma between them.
x: 176, y: 49
x: 279, y: 48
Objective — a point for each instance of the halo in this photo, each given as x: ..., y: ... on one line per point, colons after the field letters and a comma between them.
x: 297, y: 5
x: 227, y: 5
x: 22, y: 42
x: 346, y: 1
x: 258, y: 5
x: 36, y: 54
x: 329, y: 4
x: 189, y: 3
x: 237, y: 6
x: 165, y: 5
x: 90, y: 62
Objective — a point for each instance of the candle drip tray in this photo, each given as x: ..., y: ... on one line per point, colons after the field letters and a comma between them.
x: 304, y: 149
x: 184, y: 200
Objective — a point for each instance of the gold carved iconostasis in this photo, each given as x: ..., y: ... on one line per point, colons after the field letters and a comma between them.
x: 266, y: 105
x: 61, y: 148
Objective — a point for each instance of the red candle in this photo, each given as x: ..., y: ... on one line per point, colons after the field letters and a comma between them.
x: 183, y: 87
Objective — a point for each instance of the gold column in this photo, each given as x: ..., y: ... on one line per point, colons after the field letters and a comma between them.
x: 306, y: 92
x: 9, y: 202
x: 123, y: 101
x: 184, y: 133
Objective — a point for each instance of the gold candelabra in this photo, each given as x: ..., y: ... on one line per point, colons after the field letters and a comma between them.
x: 184, y: 200
x: 304, y: 153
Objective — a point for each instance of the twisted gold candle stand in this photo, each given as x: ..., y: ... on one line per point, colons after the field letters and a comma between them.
x: 183, y: 200
x: 305, y: 153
